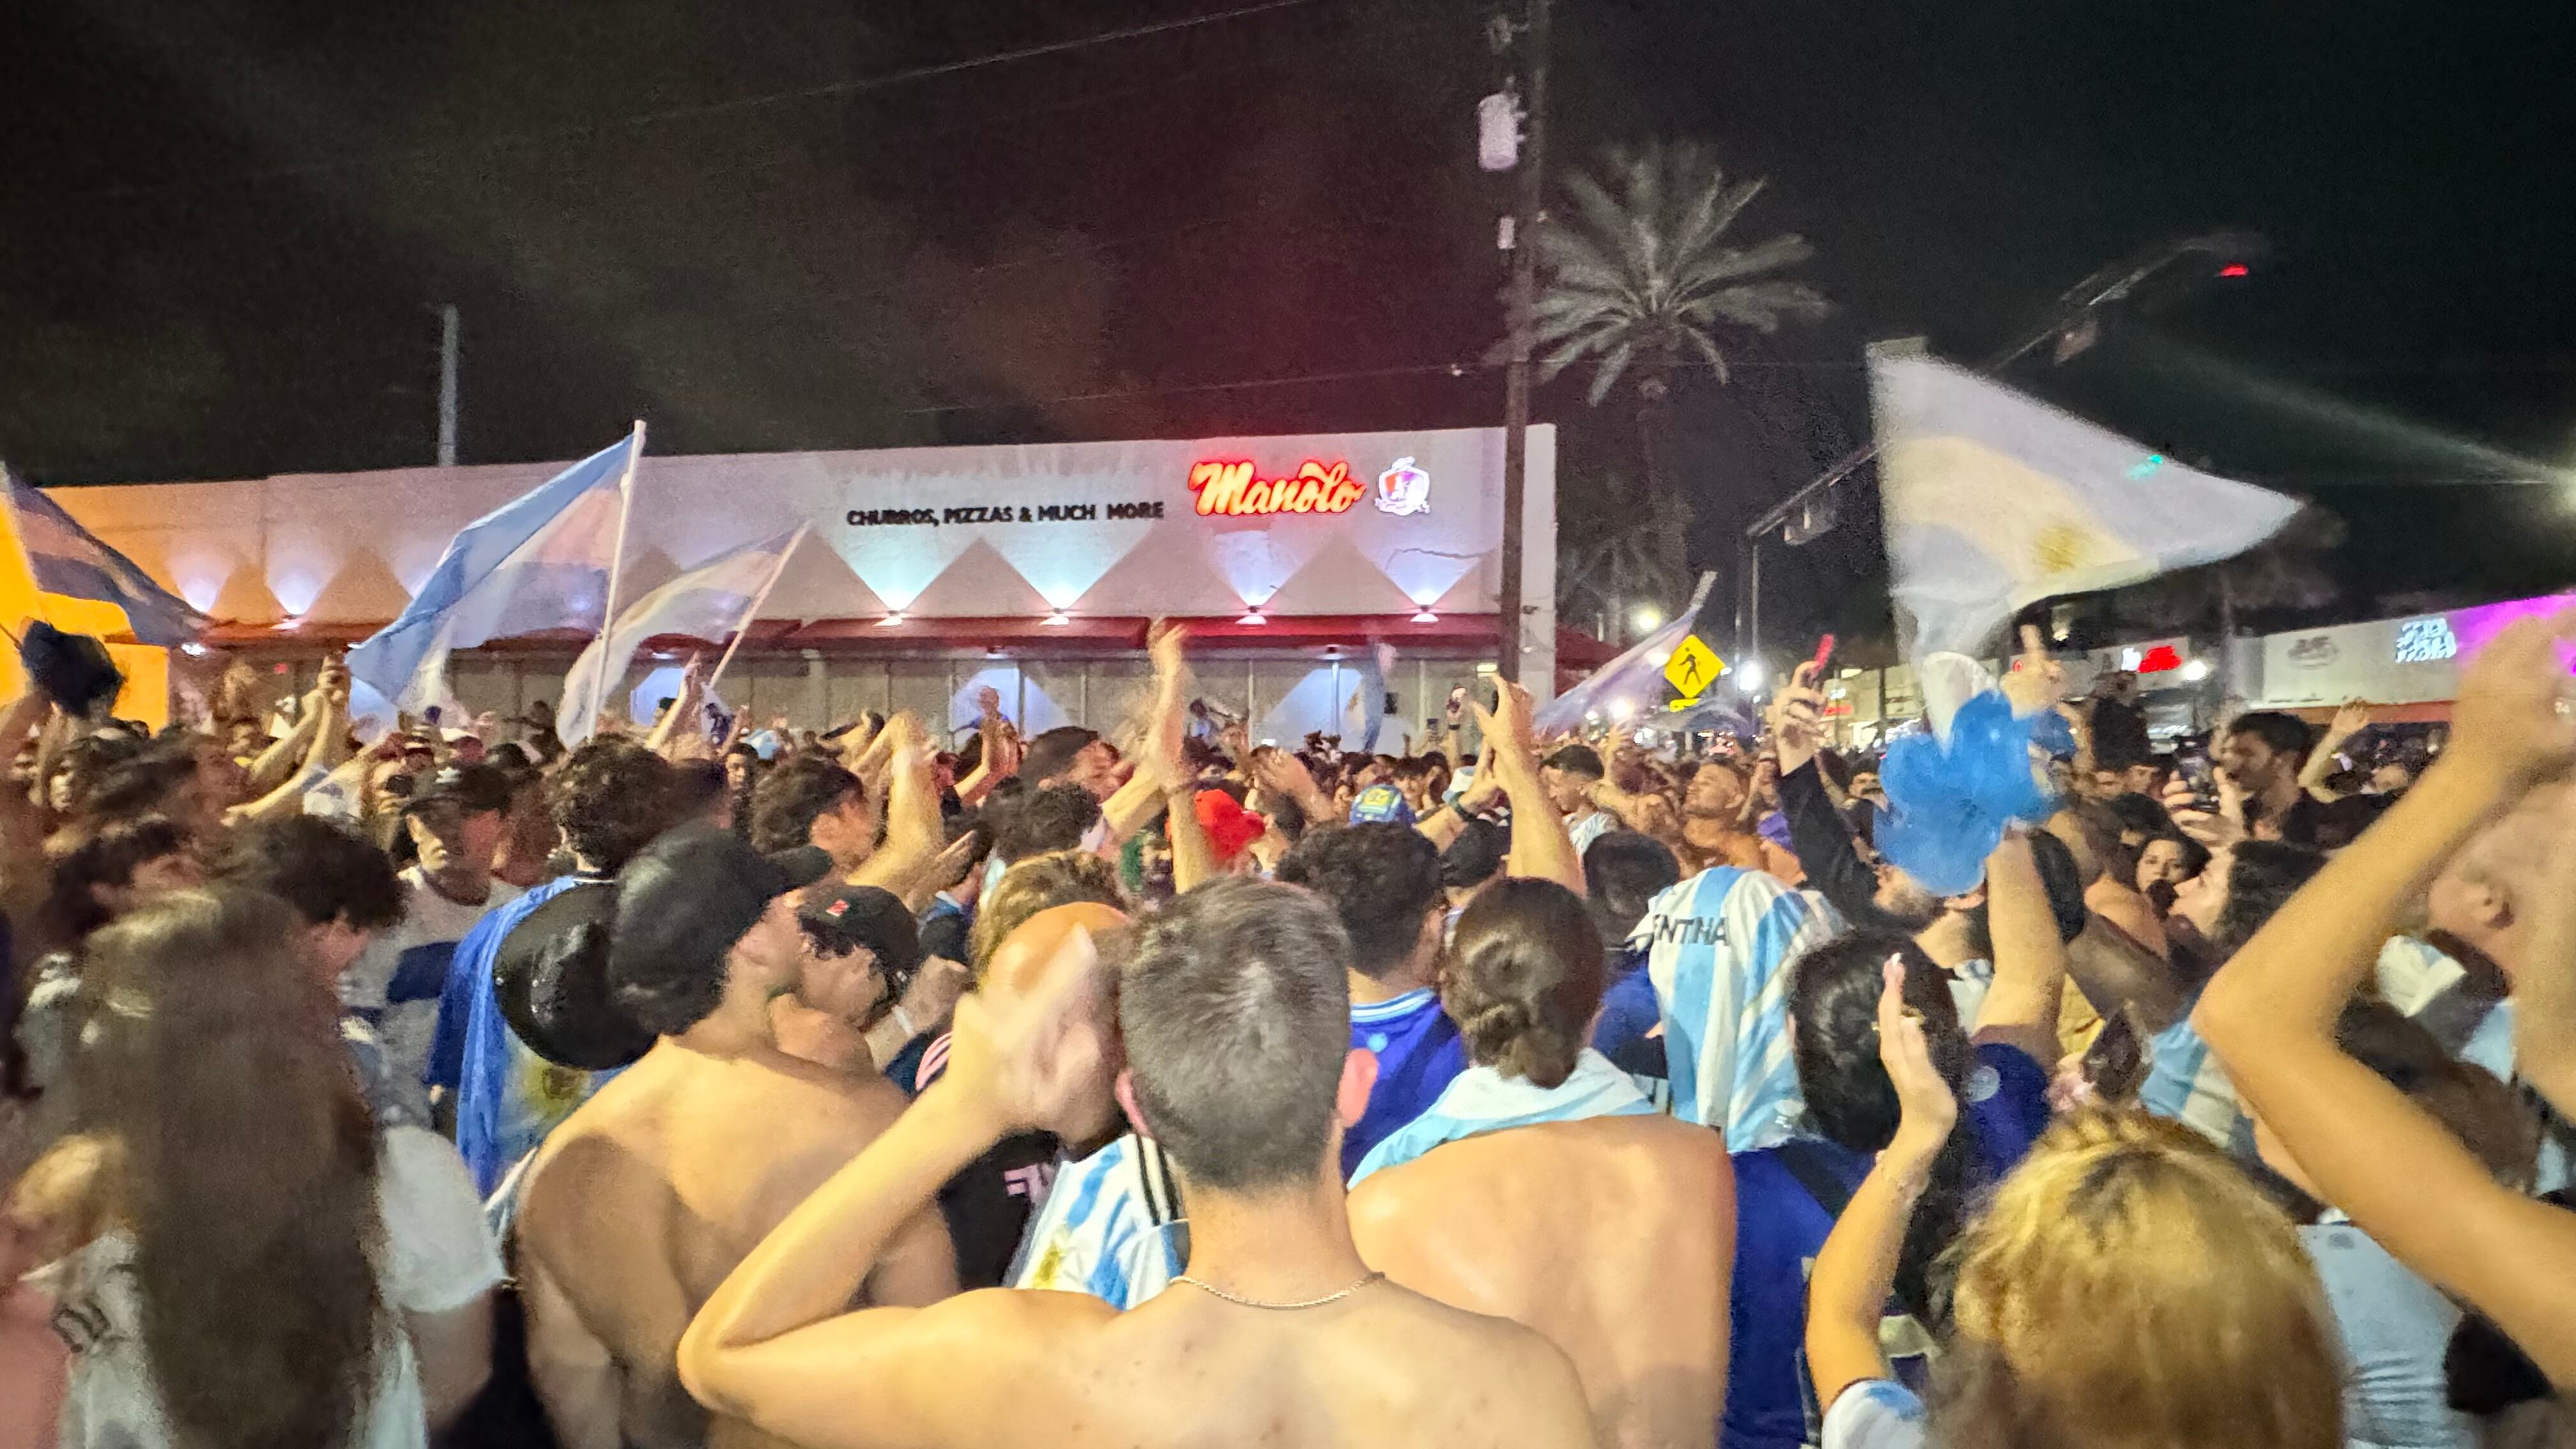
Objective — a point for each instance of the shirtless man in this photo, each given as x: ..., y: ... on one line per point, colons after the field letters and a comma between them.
x: 642, y: 1201
x: 1233, y: 1005
x: 1600, y: 1222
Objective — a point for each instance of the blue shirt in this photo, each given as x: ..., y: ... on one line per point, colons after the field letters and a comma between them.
x: 1418, y: 1056
x: 1780, y: 1227
x: 1111, y: 1227
x: 1628, y: 1008
x: 507, y: 1097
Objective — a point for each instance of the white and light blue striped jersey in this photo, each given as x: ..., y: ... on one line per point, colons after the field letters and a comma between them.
x: 1717, y: 948
x: 1482, y: 1100
x: 1111, y: 1227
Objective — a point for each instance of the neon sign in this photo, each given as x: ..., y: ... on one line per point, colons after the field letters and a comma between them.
x: 1228, y: 487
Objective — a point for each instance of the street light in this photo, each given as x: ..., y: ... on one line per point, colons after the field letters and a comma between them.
x: 1647, y: 619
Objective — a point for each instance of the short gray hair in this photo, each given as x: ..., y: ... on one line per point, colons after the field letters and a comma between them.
x: 1235, y: 1005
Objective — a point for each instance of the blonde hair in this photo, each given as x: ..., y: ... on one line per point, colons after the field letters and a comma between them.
x: 2129, y: 1288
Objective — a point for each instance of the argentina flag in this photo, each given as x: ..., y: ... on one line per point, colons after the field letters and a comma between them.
x: 541, y: 561
x: 715, y: 600
x: 67, y: 559
x: 1995, y: 500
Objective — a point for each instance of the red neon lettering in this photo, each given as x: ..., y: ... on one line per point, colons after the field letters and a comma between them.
x: 1229, y: 488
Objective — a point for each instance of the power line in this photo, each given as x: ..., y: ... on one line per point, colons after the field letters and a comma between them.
x: 1454, y: 369
x: 693, y: 111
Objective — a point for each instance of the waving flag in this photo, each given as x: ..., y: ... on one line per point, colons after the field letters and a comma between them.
x: 1995, y: 500
x: 1632, y: 686
x: 67, y: 559
x: 543, y: 561
x: 717, y: 598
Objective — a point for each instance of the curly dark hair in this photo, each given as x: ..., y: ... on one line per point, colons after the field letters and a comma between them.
x: 108, y: 858
x: 788, y: 800
x: 1380, y: 878
x: 325, y: 870
x: 1039, y: 822
x: 141, y: 780
x: 2261, y: 878
x: 1833, y: 1016
x: 1523, y: 979
x: 610, y: 799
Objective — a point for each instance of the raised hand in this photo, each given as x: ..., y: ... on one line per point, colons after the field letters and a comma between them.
x: 1927, y: 1109
x: 1028, y: 1058
x: 2037, y: 682
x: 2350, y: 720
x: 2513, y: 718
x: 1796, y: 719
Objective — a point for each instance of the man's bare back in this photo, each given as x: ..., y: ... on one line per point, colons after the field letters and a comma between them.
x: 642, y: 1202
x: 1613, y: 1236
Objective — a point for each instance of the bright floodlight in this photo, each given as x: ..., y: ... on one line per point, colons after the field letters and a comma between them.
x: 1622, y: 708
x: 2196, y: 671
x: 891, y: 620
x: 1647, y: 619
x: 1057, y: 617
x: 1748, y: 676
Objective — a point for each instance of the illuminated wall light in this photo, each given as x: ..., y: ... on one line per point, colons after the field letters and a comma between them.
x: 891, y: 620
x: 2196, y: 671
x: 288, y: 625
x: 1056, y: 618
x: 1252, y: 616
x: 1425, y: 616
x: 194, y: 650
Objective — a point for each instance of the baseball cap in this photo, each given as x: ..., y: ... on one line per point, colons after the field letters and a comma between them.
x: 470, y: 788
x: 1476, y: 856
x: 685, y: 899
x: 846, y: 917
x: 1381, y: 803
x: 550, y: 980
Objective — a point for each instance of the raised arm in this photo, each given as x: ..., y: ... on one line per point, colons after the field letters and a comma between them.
x: 778, y: 1346
x: 2349, y: 721
x: 2270, y: 1015
x: 1541, y: 850
x: 1818, y: 834
x: 2030, y: 959
x: 914, y: 839
x: 1847, y: 1290
x: 1166, y: 761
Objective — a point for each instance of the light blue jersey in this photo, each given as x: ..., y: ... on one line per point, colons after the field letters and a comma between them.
x: 1717, y: 948
x: 1111, y: 1228
x: 507, y: 1097
x: 1483, y: 1100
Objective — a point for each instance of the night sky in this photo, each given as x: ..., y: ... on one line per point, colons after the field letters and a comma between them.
x: 229, y: 220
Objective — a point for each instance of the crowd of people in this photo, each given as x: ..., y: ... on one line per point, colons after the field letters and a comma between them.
x: 877, y: 1087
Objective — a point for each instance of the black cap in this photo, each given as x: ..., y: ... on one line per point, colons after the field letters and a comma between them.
x: 1476, y: 856
x: 551, y: 983
x: 470, y: 788
x: 685, y: 899
x: 73, y: 670
x: 851, y: 916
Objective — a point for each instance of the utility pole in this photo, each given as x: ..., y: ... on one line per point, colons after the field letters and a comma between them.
x: 1524, y: 295
x: 450, y: 340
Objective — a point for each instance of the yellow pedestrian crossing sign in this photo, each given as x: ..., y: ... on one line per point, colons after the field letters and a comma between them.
x: 1693, y: 667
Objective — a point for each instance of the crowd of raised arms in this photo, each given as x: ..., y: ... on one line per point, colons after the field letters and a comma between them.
x: 892, y: 1088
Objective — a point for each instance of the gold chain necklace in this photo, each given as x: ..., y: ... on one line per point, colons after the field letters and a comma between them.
x: 1237, y: 1298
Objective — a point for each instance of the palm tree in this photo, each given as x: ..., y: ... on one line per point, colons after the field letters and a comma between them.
x: 1621, y: 550
x: 1641, y: 276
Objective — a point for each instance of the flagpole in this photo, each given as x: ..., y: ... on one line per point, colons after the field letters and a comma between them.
x: 757, y: 602
x: 616, y: 571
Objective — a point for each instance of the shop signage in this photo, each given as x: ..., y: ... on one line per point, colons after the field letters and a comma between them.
x: 1228, y: 487
x: 2426, y: 641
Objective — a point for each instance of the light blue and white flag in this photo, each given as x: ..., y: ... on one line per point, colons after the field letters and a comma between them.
x: 69, y: 560
x: 716, y: 600
x: 541, y: 561
x: 1995, y: 500
x: 1633, y: 687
